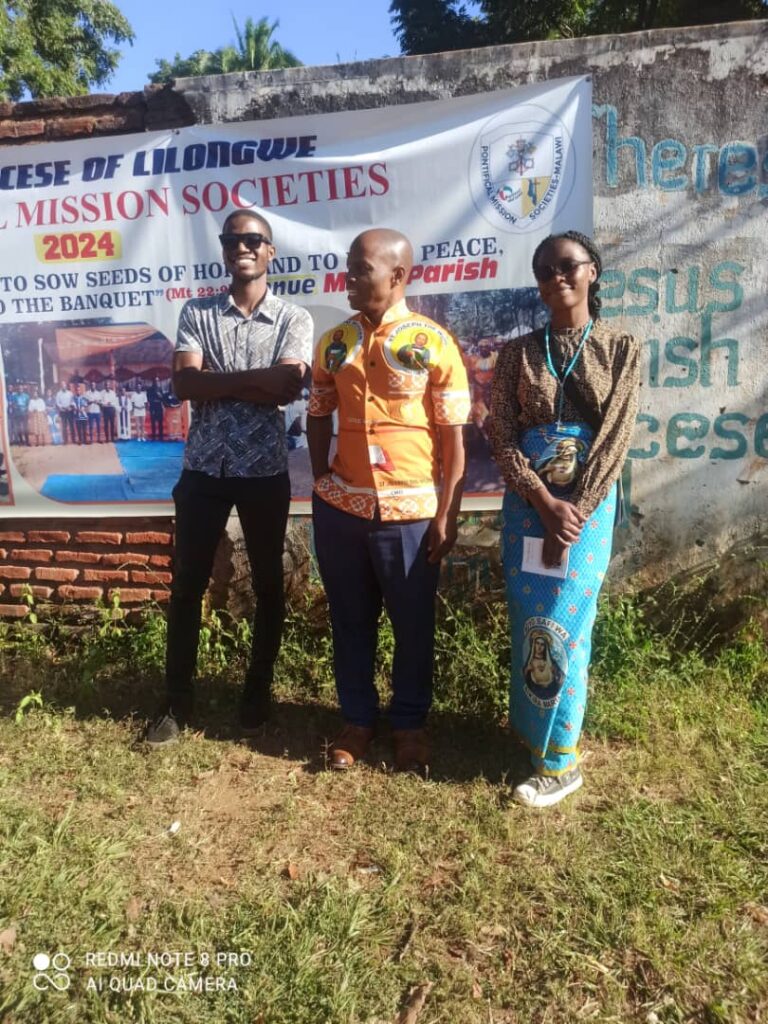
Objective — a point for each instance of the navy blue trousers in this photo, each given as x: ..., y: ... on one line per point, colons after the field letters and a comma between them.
x: 364, y: 564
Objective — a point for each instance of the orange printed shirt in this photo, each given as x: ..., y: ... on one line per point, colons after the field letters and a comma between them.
x: 393, y: 386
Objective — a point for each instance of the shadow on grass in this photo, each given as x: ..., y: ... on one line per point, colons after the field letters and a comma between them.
x: 464, y: 747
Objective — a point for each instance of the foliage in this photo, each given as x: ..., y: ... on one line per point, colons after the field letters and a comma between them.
x: 640, y: 899
x: 256, y: 50
x: 431, y: 26
x: 58, y: 47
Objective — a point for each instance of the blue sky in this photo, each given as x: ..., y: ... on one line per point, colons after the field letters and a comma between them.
x: 339, y: 30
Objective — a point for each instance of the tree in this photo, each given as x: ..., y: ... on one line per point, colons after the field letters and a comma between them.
x: 58, y: 47
x: 256, y: 50
x: 432, y: 26
x: 428, y: 26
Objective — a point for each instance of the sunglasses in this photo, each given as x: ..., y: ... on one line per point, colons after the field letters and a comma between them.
x: 250, y: 241
x: 546, y: 271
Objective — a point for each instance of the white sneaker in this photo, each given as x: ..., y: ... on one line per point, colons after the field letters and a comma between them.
x: 545, y: 790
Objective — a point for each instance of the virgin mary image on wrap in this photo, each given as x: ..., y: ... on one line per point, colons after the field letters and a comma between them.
x: 542, y: 669
x: 560, y: 464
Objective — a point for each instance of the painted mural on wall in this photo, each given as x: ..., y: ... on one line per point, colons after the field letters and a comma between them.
x: 684, y: 217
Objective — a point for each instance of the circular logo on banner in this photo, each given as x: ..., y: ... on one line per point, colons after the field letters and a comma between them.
x: 522, y: 168
x: 340, y: 345
x: 414, y: 347
x: 545, y: 662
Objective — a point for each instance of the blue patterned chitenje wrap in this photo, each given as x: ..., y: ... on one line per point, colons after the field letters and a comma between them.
x: 551, y: 619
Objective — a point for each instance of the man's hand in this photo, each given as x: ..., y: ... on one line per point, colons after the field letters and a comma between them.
x: 441, y: 536
x: 280, y: 384
x: 275, y: 385
x: 553, y: 551
x: 560, y: 518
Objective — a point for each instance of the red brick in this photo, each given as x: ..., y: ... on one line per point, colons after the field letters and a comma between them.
x: 134, y: 558
x: 97, y: 537
x: 86, y: 557
x: 15, y: 572
x: 48, y: 537
x: 150, y: 537
x: 69, y: 127
x: 20, y: 589
x: 70, y: 593
x: 91, y: 101
x: 3, y: 554
x: 58, y: 575
x: 106, y: 575
x: 13, y: 611
x: 2, y: 588
x: 129, y: 595
x: 32, y: 554
x: 127, y: 120
x: 161, y: 596
x: 151, y: 577
x: 21, y: 129
x: 164, y: 560
x: 12, y: 537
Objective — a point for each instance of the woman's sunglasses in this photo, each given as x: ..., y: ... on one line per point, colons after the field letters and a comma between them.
x: 546, y: 271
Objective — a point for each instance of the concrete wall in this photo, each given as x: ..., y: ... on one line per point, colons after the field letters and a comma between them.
x: 681, y: 187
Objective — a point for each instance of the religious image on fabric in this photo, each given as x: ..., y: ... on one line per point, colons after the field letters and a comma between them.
x: 89, y: 411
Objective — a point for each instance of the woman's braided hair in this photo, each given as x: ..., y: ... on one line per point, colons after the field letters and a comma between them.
x: 593, y: 299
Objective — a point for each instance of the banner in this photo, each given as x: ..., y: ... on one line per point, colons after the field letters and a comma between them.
x: 104, y: 240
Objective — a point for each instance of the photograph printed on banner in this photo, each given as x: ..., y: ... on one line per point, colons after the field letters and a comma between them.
x: 107, y: 388
x: 483, y: 323
x: 91, y: 415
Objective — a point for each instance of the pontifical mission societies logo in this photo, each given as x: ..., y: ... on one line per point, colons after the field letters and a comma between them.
x: 522, y: 168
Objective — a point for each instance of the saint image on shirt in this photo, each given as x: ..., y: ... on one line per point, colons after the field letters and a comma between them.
x: 340, y: 346
x: 416, y: 355
x: 414, y: 347
x: 336, y: 353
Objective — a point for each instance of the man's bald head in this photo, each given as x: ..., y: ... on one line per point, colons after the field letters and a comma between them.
x: 387, y: 243
x: 378, y: 266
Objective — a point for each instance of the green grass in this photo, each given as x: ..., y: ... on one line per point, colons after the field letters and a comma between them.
x: 643, y: 898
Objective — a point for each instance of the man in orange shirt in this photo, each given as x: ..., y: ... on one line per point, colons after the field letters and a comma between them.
x: 385, y: 510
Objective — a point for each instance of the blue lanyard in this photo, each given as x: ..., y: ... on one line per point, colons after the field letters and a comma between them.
x: 568, y: 370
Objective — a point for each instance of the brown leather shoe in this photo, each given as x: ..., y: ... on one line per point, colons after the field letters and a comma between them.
x: 350, y: 745
x: 411, y: 751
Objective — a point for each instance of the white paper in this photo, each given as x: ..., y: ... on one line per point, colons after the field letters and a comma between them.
x: 532, y: 559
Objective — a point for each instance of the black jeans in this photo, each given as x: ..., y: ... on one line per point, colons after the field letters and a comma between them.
x: 203, y: 505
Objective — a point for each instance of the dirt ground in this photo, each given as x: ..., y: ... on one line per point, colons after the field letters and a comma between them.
x: 37, y: 464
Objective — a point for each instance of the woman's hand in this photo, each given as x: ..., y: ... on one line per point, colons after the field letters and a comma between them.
x: 553, y: 551
x: 561, y: 519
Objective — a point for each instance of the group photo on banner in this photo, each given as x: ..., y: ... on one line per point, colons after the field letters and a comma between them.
x: 105, y: 241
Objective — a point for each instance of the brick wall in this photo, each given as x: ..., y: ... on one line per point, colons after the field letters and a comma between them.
x: 81, y: 117
x: 83, y: 561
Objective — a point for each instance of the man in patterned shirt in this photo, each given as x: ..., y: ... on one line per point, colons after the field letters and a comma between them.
x: 385, y: 510
x: 239, y: 355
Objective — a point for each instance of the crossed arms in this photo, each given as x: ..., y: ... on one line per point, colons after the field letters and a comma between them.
x: 275, y: 385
